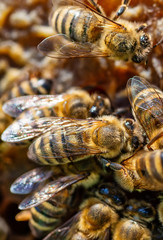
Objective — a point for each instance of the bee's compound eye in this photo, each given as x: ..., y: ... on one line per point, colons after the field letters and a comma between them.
x: 135, y: 142
x: 129, y: 208
x: 129, y: 124
x: 104, y: 190
x: 144, y: 41
x: 118, y: 199
x: 145, y: 212
x: 137, y: 59
x: 93, y: 111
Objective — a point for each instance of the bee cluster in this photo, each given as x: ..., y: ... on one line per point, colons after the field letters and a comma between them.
x: 102, y: 167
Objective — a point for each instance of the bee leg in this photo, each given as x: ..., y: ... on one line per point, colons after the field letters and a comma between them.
x: 113, y: 165
x: 141, y: 27
x: 122, y: 9
x: 154, y: 140
x: 97, y: 7
x: 119, y: 112
x: 158, y: 43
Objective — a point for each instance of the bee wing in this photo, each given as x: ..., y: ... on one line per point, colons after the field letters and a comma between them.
x: 66, y: 138
x: 29, y: 181
x: 66, y: 231
x: 25, y: 129
x: 58, y: 46
x: 105, y: 235
x: 15, y: 106
x: 49, y: 190
x: 150, y: 101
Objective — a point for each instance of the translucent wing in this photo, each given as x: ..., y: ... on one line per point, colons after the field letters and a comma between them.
x: 25, y: 129
x: 29, y: 181
x: 105, y: 235
x: 66, y: 138
x: 66, y: 231
x: 58, y: 46
x: 16, y: 106
x: 49, y: 190
x: 147, y: 103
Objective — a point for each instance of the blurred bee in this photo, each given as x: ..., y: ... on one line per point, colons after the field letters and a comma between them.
x: 134, y: 225
x: 65, y: 140
x: 144, y: 170
x: 147, y: 104
x: 96, y: 218
x: 84, y: 30
x: 29, y: 87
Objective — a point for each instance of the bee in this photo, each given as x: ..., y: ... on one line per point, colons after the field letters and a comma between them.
x: 84, y: 30
x: 75, y: 103
x: 147, y: 104
x: 96, y: 218
x: 55, y: 197
x: 44, y: 182
x: 143, y: 170
x: 48, y: 215
x: 65, y: 140
x: 137, y: 215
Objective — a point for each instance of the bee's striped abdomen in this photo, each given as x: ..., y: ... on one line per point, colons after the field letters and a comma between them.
x: 48, y: 215
x: 77, y: 24
x: 58, y: 147
x: 150, y: 168
x: 148, y: 110
x: 30, y: 87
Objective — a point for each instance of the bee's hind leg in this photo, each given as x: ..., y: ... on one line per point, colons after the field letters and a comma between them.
x: 121, y: 9
x: 97, y: 7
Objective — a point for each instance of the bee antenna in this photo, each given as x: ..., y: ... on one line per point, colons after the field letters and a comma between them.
x: 158, y: 43
x: 141, y: 27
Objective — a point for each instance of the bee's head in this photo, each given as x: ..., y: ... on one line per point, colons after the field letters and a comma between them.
x: 144, y: 43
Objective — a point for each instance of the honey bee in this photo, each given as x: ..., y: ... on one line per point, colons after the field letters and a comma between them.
x: 65, y: 140
x: 137, y: 215
x: 96, y: 218
x: 75, y: 103
x: 144, y: 170
x: 147, y: 104
x: 47, y: 182
x: 84, y: 30
x: 50, y: 214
